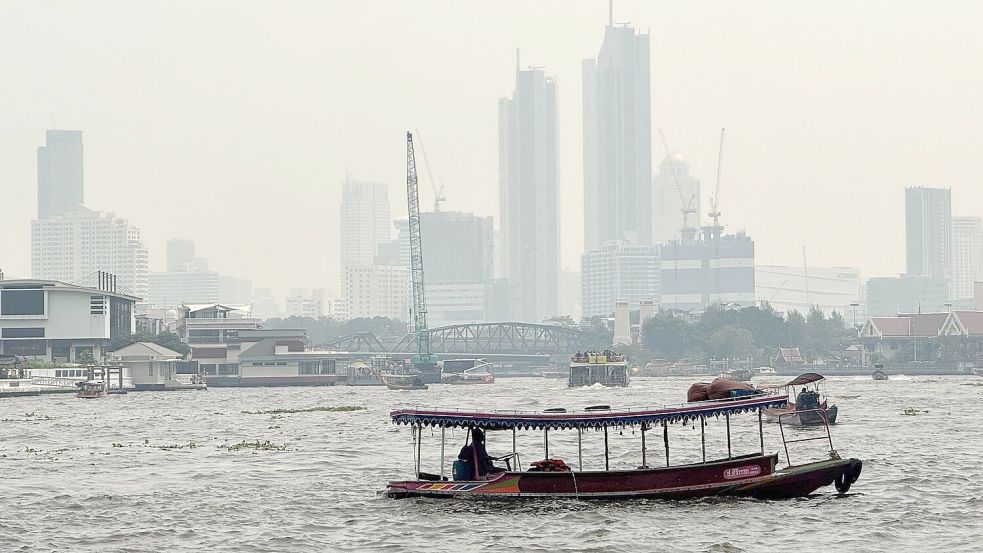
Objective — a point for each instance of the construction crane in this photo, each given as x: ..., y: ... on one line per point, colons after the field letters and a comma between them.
x: 716, y: 230
x: 686, y: 206
x: 424, y: 362
x: 438, y: 194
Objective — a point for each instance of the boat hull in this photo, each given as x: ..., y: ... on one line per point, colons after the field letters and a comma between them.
x: 749, y: 476
x: 809, y: 418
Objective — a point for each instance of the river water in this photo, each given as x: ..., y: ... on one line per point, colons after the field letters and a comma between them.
x: 161, y: 472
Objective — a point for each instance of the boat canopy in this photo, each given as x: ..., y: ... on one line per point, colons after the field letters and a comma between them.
x: 593, y: 418
x: 806, y: 378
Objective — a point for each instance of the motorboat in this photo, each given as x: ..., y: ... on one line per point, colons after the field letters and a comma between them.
x: 765, y: 371
x: 606, y: 368
x: 403, y: 381
x: 741, y: 375
x: 879, y: 375
x: 475, y: 475
x: 809, y: 407
x: 92, y: 389
x: 478, y: 373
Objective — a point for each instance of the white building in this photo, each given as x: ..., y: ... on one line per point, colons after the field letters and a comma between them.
x: 365, y: 221
x: 377, y: 290
x: 618, y: 271
x: 829, y: 288
x: 303, y: 303
x: 55, y: 321
x: 967, y: 256
x: 670, y: 194
x: 75, y: 245
x: 452, y: 304
x: 171, y: 289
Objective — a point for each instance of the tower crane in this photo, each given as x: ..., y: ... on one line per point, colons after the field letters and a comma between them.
x: 686, y: 206
x: 438, y: 194
x: 716, y: 230
x: 424, y: 361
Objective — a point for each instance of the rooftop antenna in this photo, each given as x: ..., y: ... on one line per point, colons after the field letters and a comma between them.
x: 610, y: 13
x: 517, y: 60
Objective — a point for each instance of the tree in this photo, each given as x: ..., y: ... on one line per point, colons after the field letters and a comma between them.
x: 730, y: 341
x: 668, y: 336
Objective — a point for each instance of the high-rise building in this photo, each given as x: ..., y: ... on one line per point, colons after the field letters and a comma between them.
x: 303, y: 303
x: 928, y: 227
x: 173, y: 288
x: 528, y: 198
x: 73, y: 246
x: 180, y: 254
x: 60, y: 183
x: 377, y: 291
x: 713, y: 269
x: 618, y: 272
x: 618, y: 140
x: 673, y: 189
x: 365, y: 221
x: 457, y: 246
x: 967, y: 256
x: 234, y: 291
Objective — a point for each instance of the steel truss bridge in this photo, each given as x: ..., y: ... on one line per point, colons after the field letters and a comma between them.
x: 509, y: 338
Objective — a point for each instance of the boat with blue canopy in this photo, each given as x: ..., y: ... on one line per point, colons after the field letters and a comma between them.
x: 476, y: 474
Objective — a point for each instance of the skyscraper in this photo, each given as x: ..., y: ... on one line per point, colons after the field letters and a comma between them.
x: 928, y: 228
x: 180, y: 254
x: 73, y: 246
x: 967, y: 255
x: 670, y: 193
x: 618, y: 272
x: 60, y: 185
x: 365, y: 221
x: 528, y: 200
x: 618, y: 140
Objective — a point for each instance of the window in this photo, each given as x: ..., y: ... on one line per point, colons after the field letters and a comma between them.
x: 307, y: 367
x: 150, y: 372
x: 97, y: 305
x: 21, y: 302
x: 23, y: 333
x: 58, y: 373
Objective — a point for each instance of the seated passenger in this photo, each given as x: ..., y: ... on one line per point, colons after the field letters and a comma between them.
x: 482, y: 460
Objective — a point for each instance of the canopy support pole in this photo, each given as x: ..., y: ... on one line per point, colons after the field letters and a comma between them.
x: 761, y: 432
x: 546, y: 442
x: 728, y: 436
x: 442, y: 430
x: 703, y: 437
x: 606, y: 458
x: 580, y: 449
x: 644, y: 465
x: 514, y: 458
x: 416, y: 451
x: 665, y: 438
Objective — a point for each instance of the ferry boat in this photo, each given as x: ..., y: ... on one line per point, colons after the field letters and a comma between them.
x: 475, y: 474
x: 809, y: 408
x: 91, y: 389
x: 605, y: 368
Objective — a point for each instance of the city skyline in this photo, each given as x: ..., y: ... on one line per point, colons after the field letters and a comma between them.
x: 164, y: 179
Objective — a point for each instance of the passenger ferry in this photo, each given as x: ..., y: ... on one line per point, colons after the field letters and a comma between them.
x: 606, y: 368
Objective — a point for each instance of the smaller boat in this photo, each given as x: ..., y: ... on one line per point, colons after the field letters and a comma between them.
x: 554, y: 374
x: 741, y: 375
x: 475, y: 375
x: 403, y: 381
x: 809, y: 408
x: 91, y: 389
x: 879, y: 375
x: 766, y: 371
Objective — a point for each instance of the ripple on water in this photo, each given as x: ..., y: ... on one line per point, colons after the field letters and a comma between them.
x: 68, y: 488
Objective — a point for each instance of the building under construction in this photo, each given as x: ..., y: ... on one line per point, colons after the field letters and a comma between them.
x: 711, y: 269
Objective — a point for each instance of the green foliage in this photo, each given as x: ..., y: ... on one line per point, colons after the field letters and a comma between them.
x: 755, y: 332
x: 325, y: 329
x: 169, y: 340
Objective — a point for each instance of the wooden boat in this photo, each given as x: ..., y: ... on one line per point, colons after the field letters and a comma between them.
x: 91, y: 389
x: 879, y: 375
x: 606, y: 369
x: 809, y: 408
x: 753, y: 475
x: 403, y: 381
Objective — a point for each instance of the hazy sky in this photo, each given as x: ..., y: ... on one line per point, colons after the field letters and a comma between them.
x: 234, y: 123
